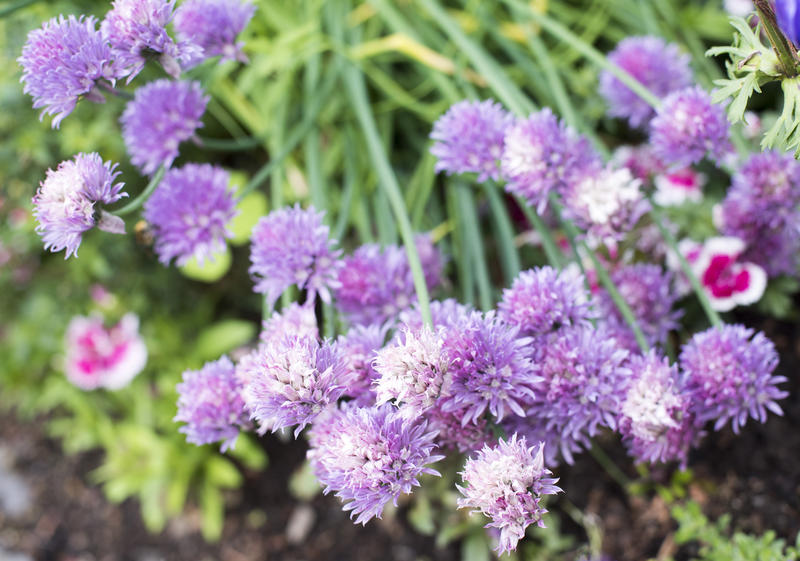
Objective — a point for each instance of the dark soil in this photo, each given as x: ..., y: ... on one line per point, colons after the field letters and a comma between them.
x: 753, y: 476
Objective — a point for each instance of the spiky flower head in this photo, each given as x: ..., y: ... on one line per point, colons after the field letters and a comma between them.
x: 101, y: 357
x: 659, y: 66
x: 584, y: 379
x: 295, y: 319
x: 444, y: 313
x: 211, y: 404
x: 291, y: 246
x: 647, y: 289
x: 137, y: 32
x: 469, y: 138
x: 729, y: 371
x: 359, y: 347
x: 543, y: 299
x: 290, y: 381
x: 214, y: 25
x: 688, y: 127
x: 375, y: 283
x: 161, y: 115
x: 760, y: 208
x: 505, y: 483
x: 65, y: 204
x: 607, y: 202
x: 490, y: 368
x: 62, y: 63
x: 190, y: 211
x: 541, y: 155
x: 413, y: 371
x: 655, y: 419
x: 370, y: 456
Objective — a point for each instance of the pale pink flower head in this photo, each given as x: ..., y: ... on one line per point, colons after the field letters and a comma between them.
x: 101, y: 357
x: 677, y: 187
x: 505, y: 483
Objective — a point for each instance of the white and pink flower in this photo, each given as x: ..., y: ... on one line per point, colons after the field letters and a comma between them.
x: 728, y: 282
x: 97, y: 356
x: 678, y: 187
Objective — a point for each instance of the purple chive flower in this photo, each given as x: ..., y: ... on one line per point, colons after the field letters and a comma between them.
x: 291, y: 381
x: 788, y: 15
x: 296, y: 320
x: 161, y: 115
x: 655, y: 421
x: 543, y: 299
x: 64, y: 205
x: 213, y: 26
x: 489, y: 368
x: 370, y: 456
x: 211, y: 404
x: 584, y: 376
x: 647, y: 289
x: 413, y: 371
x: 136, y: 31
x: 101, y: 357
x: 62, y: 63
x: 454, y: 433
x: 358, y: 348
x: 660, y: 67
x: 505, y: 483
x: 688, y: 127
x: 190, y: 211
x: 542, y: 155
x: 606, y: 202
x: 729, y: 370
x: 375, y: 283
x: 534, y: 429
x: 760, y: 208
x: 291, y: 246
x: 444, y: 313
x: 469, y: 138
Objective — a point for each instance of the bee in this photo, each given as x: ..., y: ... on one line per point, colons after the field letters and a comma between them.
x: 143, y: 233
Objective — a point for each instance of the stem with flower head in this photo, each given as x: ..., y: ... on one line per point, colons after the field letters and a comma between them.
x: 354, y: 81
x: 787, y: 55
x: 144, y: 195
x: 710, y: 312
x: 603, y: 276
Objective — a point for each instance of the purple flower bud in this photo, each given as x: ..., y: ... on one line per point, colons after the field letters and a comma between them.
x: 295, y: 320
x: 660, y: 67
x: 137, y: 32
x: 689, y: 127
x: 760, y: 208
x: 289, y: 382
x: 469, y: 138
x: 359, y: 347
x: 542, y: 155
x: 413, y: 371
x: 161, y: 115
x: 64, y: 205
x: 505, y: 483
x: 729, y: 372
x: 213, y: 25
x: 291, y: 246
x: 210, y: 402
x: 370, y: 456
x: 655, y: 421
x: 62, y: 63
x: 190, y: 211
x: 375, y: 283
x: 543, y: 299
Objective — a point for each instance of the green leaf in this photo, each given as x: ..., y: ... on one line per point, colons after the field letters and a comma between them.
x: 247, y: 451
x: 211, y: 270
x: 252, y: 207
x: 421, y: 515
x: 475, y: 547
x: 222, y: 473
x: 222, y: 337
x: 303, y: 483
x: 213, y: 507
